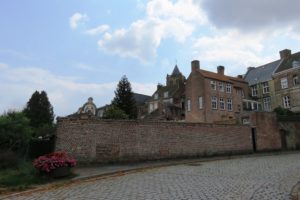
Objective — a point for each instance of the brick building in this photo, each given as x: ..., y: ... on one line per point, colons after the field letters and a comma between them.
x: 167, y: 102
x: 287, y: 83
x: 213, y: 97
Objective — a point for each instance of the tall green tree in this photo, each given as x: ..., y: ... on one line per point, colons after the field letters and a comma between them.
x: 124, y: 98
x: 40, y: 111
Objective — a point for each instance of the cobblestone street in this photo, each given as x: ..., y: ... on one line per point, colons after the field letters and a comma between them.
x: 267, y: 177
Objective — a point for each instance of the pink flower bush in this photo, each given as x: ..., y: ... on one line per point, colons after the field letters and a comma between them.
x: 52, y: 161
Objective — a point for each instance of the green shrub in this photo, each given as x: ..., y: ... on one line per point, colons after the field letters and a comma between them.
x: 113, y: 112
x: 15, y: 132
x: 283, y: 111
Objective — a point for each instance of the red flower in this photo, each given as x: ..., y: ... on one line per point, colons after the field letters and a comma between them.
x: 49, y: 162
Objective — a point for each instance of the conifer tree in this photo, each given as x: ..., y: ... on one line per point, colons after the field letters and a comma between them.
x: 124, y: 98
x: 39, y: 110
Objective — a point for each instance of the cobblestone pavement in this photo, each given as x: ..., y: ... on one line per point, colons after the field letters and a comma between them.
x: 269, y: 177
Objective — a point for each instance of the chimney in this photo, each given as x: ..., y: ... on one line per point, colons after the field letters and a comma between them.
x: 240, y: 76
x: 221, y: 70
x: 195, y: 65
x: 285, y: 53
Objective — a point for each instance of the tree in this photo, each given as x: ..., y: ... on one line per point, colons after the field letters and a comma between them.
x: 124, y: 98
x: 40, y: 112
x: 114, y: 112
x: 15, y: 131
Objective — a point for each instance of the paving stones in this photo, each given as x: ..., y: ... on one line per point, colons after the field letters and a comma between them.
x: 269, y: 177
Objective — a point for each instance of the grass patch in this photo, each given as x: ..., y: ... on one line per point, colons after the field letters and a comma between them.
x: 21, y: 178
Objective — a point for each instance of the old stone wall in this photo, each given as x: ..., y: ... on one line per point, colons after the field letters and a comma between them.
x: 95, y: 140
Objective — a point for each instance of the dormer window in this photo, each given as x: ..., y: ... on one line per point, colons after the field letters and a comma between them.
x: 156, y: 96
x: 284, y: 83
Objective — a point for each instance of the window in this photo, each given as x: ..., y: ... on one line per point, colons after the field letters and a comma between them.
x: 166, y: 94
x: 265, y: 86
x: 254, y: 90
x: 229, y: 104
x: 156, y: 96
x: 188, y: 105
x: 221, y: 86
x: 155, y: 105
x: 150, y: 107
x: 243, y: 94
x: 228, y: 88
x: 267, y: 104
x: 213, y: 85
x: 214, y: 102
x: 286, y: 102
x: 200, y: 102
x: 284, y: 83
x: 295, y: 80
x: 222, y: 104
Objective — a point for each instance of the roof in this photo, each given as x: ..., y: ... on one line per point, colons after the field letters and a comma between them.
x: 289, y: 62
x: 176, y: 71
x: 140, y: 98
x: 262, y: 73
x: 220, y: 77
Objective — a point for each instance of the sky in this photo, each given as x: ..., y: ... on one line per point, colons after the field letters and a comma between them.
x: 75, y: 49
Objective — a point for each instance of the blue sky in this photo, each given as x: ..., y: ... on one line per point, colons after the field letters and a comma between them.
x: 74, y: 49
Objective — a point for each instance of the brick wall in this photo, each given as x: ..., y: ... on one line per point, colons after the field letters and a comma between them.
x: 267, y: 131
x: 94, y: 140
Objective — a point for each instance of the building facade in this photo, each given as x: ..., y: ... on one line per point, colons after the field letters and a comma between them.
x: 167, y: 102
x: 287, y: 82
x: 213, y: 97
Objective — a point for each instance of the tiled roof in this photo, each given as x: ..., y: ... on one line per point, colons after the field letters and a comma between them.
x: 219, y: 77
x: 262, y: 73
x: 289, y: 62
x: 140, y: 98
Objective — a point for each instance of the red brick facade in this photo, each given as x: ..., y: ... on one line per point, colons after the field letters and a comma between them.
x: 95, y: 140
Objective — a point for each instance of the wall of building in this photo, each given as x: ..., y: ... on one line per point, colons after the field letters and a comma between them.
x: 94, y: 140
x: 266, y: 130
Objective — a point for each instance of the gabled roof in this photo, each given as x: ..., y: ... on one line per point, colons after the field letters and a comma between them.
x: 289, y: 62
x: 176, y: 71
x: 220, y: 77
x: 140, y: 98
x: 262, y: 73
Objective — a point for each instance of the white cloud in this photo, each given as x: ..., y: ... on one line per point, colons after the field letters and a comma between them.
x: 66, y: 94
x: 97, y: 30
x: 232, y: 47
x: 164, y: 19
x: 77, y: 19
x: 3, y: 66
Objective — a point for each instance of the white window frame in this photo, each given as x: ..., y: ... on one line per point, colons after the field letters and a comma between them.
x: 166, y: 94
x: 222, y: 103
x: 221, y: 86
x: 254, y: 90
x: 284, y: 83
x: 200, y: 101
x: 214, y: 103
x: 228, y: 88
x: 229, y: 105
x: 265, y: 87
x: 188, y: 105
x: 213, y: 85
x: 286, y: 101
x: 267, y: 103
